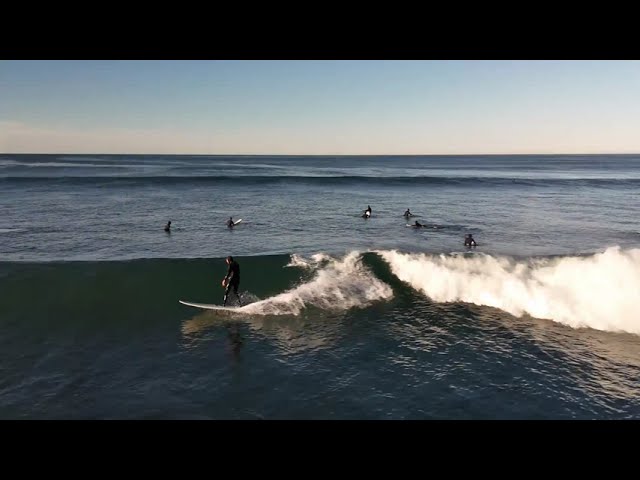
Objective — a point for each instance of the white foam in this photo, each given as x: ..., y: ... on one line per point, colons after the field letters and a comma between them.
x: 339, y: 285
x: 601, y: 291
x: 309, y: 263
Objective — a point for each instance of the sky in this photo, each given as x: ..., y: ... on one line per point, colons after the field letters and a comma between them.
x: 320, y: 107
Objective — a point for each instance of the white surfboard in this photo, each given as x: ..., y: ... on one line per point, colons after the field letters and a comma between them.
x: 208, y: 306
x: 235, y: 223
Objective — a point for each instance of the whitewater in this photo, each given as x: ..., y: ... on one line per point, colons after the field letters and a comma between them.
x: 596, y: 291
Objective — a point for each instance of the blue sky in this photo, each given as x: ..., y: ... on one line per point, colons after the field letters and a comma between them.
x: 320, y: 107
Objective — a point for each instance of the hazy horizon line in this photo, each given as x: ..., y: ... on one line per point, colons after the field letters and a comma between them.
x: 327, y: 154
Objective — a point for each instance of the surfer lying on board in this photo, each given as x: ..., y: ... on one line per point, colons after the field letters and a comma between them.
x: 231, y: 279
x: 417, y: 224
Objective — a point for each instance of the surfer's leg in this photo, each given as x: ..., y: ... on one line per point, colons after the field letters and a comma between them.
x: 226, y: 294
x: 235, y: 290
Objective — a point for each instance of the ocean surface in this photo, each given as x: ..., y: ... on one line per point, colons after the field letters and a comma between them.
x: 344, y: 317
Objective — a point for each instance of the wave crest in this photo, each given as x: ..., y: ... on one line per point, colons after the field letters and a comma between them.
x: 599, y: 291
x: 339, y: 285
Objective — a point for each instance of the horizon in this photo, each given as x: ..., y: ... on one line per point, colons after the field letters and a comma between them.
x: 598, y: 154
x: 320, y: 108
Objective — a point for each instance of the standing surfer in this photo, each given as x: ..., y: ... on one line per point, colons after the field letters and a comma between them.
x: 231, y: 279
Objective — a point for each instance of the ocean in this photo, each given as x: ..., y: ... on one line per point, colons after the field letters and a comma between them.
x: 344, y: 317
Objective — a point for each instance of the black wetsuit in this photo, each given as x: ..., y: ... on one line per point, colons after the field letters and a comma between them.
x: 469, y: 242
x: 233, y: 280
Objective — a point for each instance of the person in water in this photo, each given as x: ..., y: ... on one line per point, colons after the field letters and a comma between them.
x: 469, y: 241
x: 367, y: 212
x: 168, y: 227
x: 407, y: 213
x: 230, y: 223
x: 231, y: 280
x: 417, y: 224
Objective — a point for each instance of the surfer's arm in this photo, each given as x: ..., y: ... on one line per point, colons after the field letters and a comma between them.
x: 229, y: 274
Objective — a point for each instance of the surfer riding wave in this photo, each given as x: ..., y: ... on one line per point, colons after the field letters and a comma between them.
x: 231, y: 280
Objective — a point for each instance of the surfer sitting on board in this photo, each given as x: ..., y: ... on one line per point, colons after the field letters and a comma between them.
x: 469, y: 241
x: 367, y: 212
x: 230, y: 223
x: 231, y: 279
x: 407, y: 214
x: 168, y: 228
